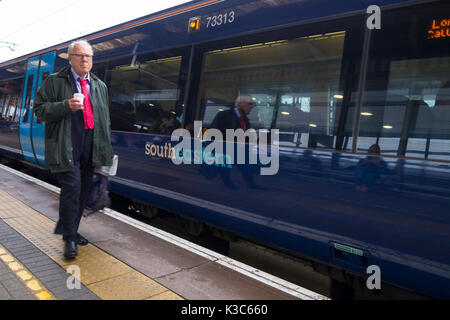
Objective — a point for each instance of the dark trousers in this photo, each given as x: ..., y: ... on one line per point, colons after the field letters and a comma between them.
x: 74, y: 189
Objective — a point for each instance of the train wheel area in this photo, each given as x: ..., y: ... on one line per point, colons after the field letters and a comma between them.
x: 124, y: 260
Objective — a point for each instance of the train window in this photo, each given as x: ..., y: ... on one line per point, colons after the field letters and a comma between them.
x: 9, y: 99
x: 145, y: 97
x: 294, y: 84
x: 2, y: 104
x: 406, y: 110
x: 10, y: 108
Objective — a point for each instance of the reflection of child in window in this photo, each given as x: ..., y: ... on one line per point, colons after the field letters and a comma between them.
x: 369, y: 169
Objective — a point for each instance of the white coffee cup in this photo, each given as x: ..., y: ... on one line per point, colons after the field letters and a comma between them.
x: 79, y: 97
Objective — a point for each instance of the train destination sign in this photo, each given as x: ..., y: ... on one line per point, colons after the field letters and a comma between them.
x: 439, y: 28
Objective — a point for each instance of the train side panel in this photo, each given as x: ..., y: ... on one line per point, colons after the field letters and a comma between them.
x: 311, y: 207
x: 332, y: 200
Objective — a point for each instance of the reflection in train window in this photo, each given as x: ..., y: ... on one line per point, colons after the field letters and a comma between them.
x: 414, y: 119
x: 28, y: 98
x: 406, y: 109
x: 44, y: 76
x: 146, y: 96
x: 3, y: 98
x: 9, y: 99
x: 294, y: 83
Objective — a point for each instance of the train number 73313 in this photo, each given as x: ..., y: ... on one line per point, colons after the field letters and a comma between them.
x: 220, y: 19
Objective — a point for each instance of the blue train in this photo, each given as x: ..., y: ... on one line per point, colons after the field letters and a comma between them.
x: 360, y: 98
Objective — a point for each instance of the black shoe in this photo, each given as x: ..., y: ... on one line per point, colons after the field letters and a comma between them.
x: 70, y: 250
x: 82, y: 241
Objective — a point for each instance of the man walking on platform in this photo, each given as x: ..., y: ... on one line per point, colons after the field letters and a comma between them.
x: 77, y: 136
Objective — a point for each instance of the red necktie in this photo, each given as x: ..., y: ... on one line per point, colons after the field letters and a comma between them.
x: 87, y: 111
x: 242, y: 122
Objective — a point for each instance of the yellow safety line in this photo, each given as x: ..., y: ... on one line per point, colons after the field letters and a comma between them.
x: 25, y: 276
x: 104, y: 275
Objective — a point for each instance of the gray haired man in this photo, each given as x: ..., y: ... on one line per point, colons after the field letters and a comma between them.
x: 77, y: 136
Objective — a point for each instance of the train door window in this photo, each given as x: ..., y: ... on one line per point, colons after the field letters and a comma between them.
x: 407, y: 99
x: 146, y: 96
x: 294, y: 84
x: 44, y: 76
x: 28, y: 97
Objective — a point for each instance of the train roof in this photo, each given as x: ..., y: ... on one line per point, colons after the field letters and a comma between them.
x: 262, y: 14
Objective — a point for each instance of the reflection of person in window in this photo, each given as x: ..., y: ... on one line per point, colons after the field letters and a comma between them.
x: 313, y: 163
x: 234, y: 118
x: 168, y: 126
x: 190, y: 127
x: 441, y: 111
x: 156, y: 116
x: 443, y: 96
x: 368, y: 170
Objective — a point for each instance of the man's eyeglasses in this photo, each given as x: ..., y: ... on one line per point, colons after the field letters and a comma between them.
x: 81, y: 56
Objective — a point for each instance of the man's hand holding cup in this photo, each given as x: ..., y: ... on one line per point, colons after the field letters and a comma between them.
x: 76, y: 103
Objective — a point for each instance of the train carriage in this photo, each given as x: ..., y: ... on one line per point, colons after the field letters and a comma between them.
x: 361, y: 102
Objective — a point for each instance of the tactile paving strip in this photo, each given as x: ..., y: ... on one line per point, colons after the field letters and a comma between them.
x: 104, y: 275
x: 22, y: 273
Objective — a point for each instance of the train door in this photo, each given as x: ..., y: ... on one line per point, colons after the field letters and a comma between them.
x: 27, y: 102
x: 32, y: 131
x: 38, y: 127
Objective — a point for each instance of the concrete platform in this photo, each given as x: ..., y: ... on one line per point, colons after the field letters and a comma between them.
x: 125, y: 259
